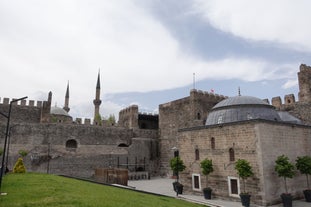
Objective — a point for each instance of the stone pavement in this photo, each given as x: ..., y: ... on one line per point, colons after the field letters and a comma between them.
x: 163, y: 186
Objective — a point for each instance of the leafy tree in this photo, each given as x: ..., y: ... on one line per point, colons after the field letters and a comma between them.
x: 284, y: 168
x: 303, y: 164
x: 111, y: 120
x: 23, y: 153
x: 19, y: 166
x: 207, y: 168
x: 98, y: 119
x: 177, y: 165
x: 244, y: 170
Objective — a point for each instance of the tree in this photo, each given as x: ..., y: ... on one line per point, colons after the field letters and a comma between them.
x: 207, y: 168
x: 303, y: 164
x: 98, y: 119
x: 111, y: 120
x: 284, y: 168
x: 177, y: 165
x: 19, y: 166
x: 244, y: 170
x: 23, y: 153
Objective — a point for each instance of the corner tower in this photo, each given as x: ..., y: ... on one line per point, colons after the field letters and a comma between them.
x: 97, y: 100
x: 66, y: 106
x: 304, y: 78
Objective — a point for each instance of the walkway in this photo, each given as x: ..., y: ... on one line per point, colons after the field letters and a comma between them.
x: 164, y: 186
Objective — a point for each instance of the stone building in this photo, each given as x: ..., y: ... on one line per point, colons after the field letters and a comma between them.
x: 241, y: 127
x: 201, y: 125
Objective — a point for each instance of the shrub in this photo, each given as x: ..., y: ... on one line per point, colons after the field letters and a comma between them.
x: 23, y: 153
x: 177, y: 165
x: 284, y: 168
x: 207, y: 167
x: 19, y: 166
x: 303, y: 164
x: 244, y: 170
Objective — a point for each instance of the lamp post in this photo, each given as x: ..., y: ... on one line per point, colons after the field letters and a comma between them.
x: 8, y: 116
x: 176, y: 154
x: 8, y: 147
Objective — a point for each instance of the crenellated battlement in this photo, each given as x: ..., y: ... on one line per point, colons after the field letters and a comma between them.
x: 30, y: 103
x: 209, y: 95
x: 289, y: 101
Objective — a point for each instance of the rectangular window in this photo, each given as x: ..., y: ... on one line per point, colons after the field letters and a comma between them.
x: 196, y: 182
x: 234, y: 186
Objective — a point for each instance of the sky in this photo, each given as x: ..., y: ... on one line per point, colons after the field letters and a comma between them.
x: 150, y: 52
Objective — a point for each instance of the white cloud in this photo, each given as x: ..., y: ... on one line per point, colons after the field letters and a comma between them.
x: 281, y: 21
x: 290, y: 84
x: 46, y: 43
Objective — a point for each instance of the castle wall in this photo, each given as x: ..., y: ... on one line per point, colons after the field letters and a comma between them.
x: 128, y: 117
x: 78, y: 150
x: 187, y: 112
x: 21, y: 112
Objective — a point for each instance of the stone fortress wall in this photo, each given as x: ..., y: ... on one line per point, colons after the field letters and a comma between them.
x: 72, y: 148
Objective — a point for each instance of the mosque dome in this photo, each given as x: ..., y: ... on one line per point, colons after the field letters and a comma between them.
x: 59, y: 111
x: 241, y: 108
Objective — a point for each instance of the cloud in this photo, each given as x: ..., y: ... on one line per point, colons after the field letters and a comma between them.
x: 290, y: 84
x: 46, y: 43
x: 282, y: 21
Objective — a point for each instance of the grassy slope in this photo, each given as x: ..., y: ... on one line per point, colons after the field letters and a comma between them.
x: 33, y: 189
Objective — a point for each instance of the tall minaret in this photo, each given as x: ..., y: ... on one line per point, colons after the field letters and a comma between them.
x: 97, y: 100
x: 66, y: 106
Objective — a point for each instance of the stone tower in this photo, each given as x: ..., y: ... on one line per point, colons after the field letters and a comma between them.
x: 46, y: 108
x: 66, y: 106
x: 97, y: 100
x: 304, y: 79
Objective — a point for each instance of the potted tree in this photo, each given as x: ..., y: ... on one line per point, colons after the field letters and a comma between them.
x: 303, y: 164
x: 244, y: 170
x: 284, y: 168
x: 207, y: 168
x: 177, y: 165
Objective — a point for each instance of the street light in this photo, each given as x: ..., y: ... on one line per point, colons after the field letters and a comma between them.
x: 8, y: 116
x: 176, y: 154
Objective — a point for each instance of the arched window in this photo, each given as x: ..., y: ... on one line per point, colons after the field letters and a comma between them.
x: 197, y: 154
x: 123, y: 145
x: 71, y: 143
x: 212, y: 143
x: 198, y: 116
x: 231, y: 155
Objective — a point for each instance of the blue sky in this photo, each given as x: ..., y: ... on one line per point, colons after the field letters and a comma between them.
x: 148, y: 50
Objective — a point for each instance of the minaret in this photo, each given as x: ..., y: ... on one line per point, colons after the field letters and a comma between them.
x: 97, y: 100
x: 66, y: 106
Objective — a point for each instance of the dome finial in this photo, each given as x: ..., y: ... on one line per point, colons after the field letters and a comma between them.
x: 239, y: 91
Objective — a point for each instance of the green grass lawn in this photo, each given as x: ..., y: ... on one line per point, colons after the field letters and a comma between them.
x: 32, y: 189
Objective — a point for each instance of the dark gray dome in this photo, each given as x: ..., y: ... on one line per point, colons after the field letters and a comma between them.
x: 58, y: 111
x: 240, y: 100
x: 241, y: 108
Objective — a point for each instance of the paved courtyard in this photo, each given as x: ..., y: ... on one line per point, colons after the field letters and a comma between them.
x: 163, y: 186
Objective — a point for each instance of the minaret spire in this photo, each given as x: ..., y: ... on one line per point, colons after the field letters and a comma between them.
x: 66, y: 106
x: 97, y: 100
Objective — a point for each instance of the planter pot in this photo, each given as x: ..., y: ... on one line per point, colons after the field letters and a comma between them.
x: 207, y: 193
x: 178, y: 187
x: 245, y: 199
x: 307, y: 194
x: 287, y: 200
x: 174, y: 185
